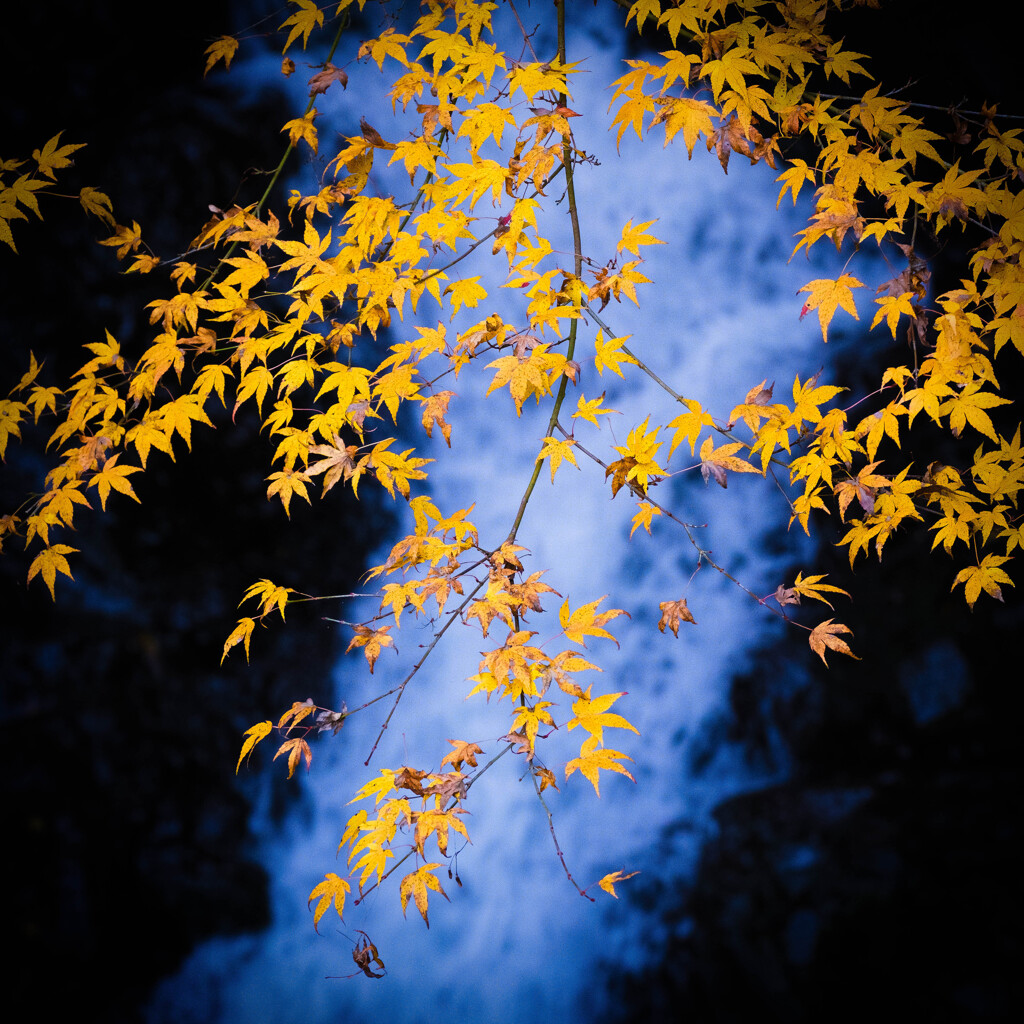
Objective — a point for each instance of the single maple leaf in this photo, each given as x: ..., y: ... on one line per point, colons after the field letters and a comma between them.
x: 715, y: 461
x: 253, y: 735
x: 827, y: 296
x: 586, y: 621
x: 223, y: 49
x: 824, y: 635
x: 987, y: 576
x: 416, y: 885
x: 593, y: 759
x: 299, y: 710
x: 593, y: 715
x: 332, y: 889
x: 463, y: 752
x: 296, y: 750
x: 49, y: 562
x: 324, y: 79
x: 366, y: 953
x: 372, y: 641
x: 674, y: 612
x: 54, y: 155
x: 241, y: 632
x: 608, y: 882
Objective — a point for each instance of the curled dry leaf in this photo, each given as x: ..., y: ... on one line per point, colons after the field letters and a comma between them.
x: 324, y: 79
x: 674, y: 612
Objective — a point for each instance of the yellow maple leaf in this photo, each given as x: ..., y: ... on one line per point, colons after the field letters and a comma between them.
x: 333, y: 889
x: 825, y: 635
x: 634, y: 236
x: 827, y: 296
x: 49, y: 562
x: 416, y: 884
x: 253, y: 735
x: 54, y: 155
x: 114, y: 477
x: 373, y: 641
x: 98, y: 204
x: 556, y: 450
x: 594, y: 717
x: 594, y: 759
x: 608, y: 355
x: 302, y: 21
x: 608, y: 882
x: 987, y: 576
x: 125, y: 239
x: 586, y: 621
x: 241, y: 633
x: 302, y: 128
x: 269, y: 596
x: 644, y: 516
x: 220, y: 49
x: 285, y: 484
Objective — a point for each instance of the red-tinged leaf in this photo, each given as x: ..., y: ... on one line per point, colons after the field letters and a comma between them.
x: 296, y: 750
x: 827, y: 296
x: 463, y: 752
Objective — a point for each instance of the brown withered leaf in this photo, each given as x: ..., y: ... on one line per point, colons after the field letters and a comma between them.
x: 520, y: 743
x: 324, y: 79
x: 366, y: 953
x: 332, y: 720
x: 411, y: 779
x: 372, y: 136
x: 674, y: 612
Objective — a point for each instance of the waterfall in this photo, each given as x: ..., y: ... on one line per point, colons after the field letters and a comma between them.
x: 517, y: 942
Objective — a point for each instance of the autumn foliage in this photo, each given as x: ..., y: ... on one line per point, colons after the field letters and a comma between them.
x: 330, y: 320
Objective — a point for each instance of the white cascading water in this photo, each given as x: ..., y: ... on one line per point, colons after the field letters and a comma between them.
x: 517, y: 942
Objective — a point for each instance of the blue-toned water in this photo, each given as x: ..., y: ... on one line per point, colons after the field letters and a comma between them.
x: 517, y: 941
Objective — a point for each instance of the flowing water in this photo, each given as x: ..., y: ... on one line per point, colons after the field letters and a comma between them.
x: 517, y: 942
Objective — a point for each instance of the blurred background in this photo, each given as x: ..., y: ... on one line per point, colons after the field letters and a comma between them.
x: 810, y: 842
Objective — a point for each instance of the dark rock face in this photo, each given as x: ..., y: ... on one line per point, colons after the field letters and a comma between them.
x: 893, y: 893
x: 127, y: 836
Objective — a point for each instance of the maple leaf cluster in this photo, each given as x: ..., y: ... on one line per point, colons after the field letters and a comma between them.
x: 299, y: 322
